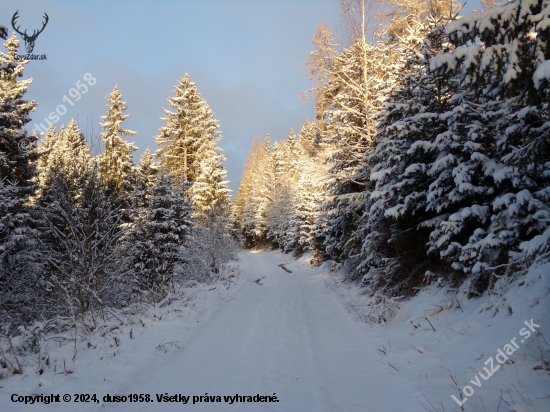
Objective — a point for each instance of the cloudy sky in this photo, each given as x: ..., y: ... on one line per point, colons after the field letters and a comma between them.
x: 244, y: 55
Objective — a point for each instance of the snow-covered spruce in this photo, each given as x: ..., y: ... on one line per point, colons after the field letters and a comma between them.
x: 116, y: 161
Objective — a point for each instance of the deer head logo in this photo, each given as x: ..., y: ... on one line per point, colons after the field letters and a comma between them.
x: 29, y: 40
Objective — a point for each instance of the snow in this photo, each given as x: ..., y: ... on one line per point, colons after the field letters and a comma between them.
x: 395, y: 211
x: 542, y: 74
x: 379, y: 175
x: 442, y: 60
x: 299, y: 336
x: 536, y: 245
x: 414, y: 168
x: 482, y: 21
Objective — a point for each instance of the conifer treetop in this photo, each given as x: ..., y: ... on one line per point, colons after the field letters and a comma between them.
x: 186, y: 138
x: 116, y: 162
x: 10, y: 69
x: 114, y: 116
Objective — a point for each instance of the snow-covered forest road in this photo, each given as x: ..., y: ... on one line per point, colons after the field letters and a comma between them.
x: 290, y: 334
x: 286, y: 335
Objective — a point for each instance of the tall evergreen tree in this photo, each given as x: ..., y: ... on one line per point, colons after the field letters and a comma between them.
x: 255, y: 195
x: 65, y: 154
x: 19, y: 272
x: 145, y: 178
x: 505, y: 72
x: 264, y: 190
x: 190, y: 134
x: 210, y: 190
x: 116, y: 162
x: 161, y: 228
x: 45, y: 148
x: 247, y: 186
x: 358, y: 84
x: 310, y: 137
x: 18, y: 147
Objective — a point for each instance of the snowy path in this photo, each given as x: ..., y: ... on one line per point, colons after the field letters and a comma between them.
x: 287, y: 336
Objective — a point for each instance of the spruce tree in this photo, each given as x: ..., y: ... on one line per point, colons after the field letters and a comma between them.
x: 145, y: 179
x: 190, y: 134
x: 65, y: 154
x: 310, y: 137
x: 45, y: 148
x: 309, y: 187
x: 500, y: 56
x: 264, y: 189
x: 245, y: 186
x: 393, y: 223
x: 255, y: 194
x: 160, y: 232
x: 210, y: 190
x: 18, y: 147
x: 19, y: 271
x: 280, y: 177
x: 116, y: 162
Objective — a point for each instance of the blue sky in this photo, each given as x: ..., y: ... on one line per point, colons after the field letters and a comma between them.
x: 244, y: 55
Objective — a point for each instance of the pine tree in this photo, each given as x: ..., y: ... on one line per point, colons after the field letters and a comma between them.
x: 161, y: 229
x: 16, y: 144
x: 65, y: 153
x: 264, y: 189
x: 65, y: 168
x: 311, y: 193
x: 210, y: 190
x: 511, y: 44
x: 116, y: 162
x: 19, y: 271
x: 280, y: 180
x: 141, y: 183
x: 310, y: 137
x: 507, y: 118
x: 278, y: 220
x: 190, y: 134
x: 255, y: 196
x: 358, y: 84
x: 455, y: 164
x: 399, y: 181
x: 146, y: 176
x: 20, y: 284
x: 147, y: 167
x: 246, y: 187
x: 45, y: 148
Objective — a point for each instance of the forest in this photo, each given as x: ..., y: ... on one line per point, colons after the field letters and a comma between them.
x: 429, y: 156
x: 84, y: 238
x: 427, y: 161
